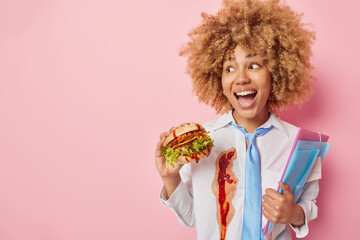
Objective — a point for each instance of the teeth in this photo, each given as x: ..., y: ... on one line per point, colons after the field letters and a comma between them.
x: 244, y: 93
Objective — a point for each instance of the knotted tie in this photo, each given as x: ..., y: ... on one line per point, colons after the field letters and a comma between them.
x: 251, y: 229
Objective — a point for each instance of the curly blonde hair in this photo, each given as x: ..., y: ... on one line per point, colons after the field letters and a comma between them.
x: 270, y: 29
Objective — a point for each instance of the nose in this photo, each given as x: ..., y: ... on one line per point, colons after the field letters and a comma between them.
x: 242, y: 77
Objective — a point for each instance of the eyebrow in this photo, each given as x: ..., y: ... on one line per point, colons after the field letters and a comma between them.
x: 247, y: 56
x: 251, y: 55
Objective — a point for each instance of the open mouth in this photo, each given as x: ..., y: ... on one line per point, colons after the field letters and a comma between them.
x: 246, y: 98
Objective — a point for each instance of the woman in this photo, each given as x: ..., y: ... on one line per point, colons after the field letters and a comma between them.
x: 247, y: 61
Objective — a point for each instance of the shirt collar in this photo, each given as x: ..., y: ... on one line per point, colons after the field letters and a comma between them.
x: 277, y: 123
x: 225, y: 119
x: 222, y: 121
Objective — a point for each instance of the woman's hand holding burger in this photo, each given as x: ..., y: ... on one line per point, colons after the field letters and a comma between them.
x: 169, y: 173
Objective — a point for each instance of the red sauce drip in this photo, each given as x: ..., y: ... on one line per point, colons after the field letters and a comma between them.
x: 196, y: 158
x: 198, y: 126
x: 175, y: 138
x: 223, y: 177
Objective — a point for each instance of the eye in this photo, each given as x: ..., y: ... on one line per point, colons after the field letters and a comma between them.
x: 254, y: 66
x: 229, y: 69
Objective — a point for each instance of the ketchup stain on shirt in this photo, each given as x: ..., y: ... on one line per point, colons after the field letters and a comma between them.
x: 224, y: 188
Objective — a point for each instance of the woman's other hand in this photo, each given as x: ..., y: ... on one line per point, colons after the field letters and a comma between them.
x: 281, y: 208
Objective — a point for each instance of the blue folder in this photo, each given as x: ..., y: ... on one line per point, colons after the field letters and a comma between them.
x: 301, y: 164
x: 306, y: 148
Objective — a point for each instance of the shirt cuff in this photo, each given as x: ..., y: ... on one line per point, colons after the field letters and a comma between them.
x: 303, y: 230
x: 180, y: 202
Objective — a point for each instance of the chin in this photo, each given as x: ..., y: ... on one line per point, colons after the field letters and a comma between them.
x: 249, y: 114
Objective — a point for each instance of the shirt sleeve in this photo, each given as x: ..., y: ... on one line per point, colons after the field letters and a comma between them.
x: 308, y: 203
x: 181, y: 201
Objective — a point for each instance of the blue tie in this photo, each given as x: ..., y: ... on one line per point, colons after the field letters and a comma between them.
x: 251, y: 229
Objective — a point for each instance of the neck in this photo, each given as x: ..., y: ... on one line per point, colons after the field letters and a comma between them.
x: 251, y: 124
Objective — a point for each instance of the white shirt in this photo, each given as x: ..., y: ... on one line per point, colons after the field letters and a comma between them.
x: 194, y: 201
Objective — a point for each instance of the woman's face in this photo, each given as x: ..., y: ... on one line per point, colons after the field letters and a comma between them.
x: 246, y: 84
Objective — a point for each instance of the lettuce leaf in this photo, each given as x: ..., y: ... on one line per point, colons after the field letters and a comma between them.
x: 171, y: 155
x: 197, y: 146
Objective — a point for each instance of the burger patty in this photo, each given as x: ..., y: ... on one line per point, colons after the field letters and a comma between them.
x: 184, y: 137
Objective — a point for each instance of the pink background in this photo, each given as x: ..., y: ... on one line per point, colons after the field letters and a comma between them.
x: 86, y: 87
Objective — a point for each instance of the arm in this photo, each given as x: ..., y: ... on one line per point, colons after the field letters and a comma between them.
x: 307, y: 202
x: 169, y: 174
x: 175, y: 193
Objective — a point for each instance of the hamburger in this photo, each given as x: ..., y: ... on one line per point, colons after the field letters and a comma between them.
x: 187, y: 143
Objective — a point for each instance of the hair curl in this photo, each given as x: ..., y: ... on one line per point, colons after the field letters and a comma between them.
x: 270, y: 29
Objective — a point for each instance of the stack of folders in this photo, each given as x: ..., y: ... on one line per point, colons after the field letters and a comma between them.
x: 309, y: 148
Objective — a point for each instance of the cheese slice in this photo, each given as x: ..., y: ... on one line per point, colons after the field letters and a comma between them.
x: 189, y: 140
